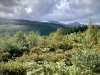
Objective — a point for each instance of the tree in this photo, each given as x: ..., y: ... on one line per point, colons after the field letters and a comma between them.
x: 92, y: 33
x: 32, y: 39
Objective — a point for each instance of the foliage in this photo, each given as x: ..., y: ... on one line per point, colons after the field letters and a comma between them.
x: 58, y: 57
x: 55, y: 37
x: 49, y: 68
x: 92, y: 33
x: 30, y: 57
x: 13, y: 68
x: 74, y: 29
x: 36, y: 50
x: 37, y: 57
x: 89, y: 60
x: 76, y: 53
x: 32, y: 39
x: 65, y: 45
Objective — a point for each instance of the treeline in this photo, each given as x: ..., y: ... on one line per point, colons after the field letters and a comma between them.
x: 74, y: 29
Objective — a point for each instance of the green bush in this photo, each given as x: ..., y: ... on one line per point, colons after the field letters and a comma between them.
x: 48, y: 68
x: 37, y: 57
x: 37, y: 50
x: 65, y: 45
x: 58, y: 68
x: 32, y: 39
x: 13, y: 68
x: 58, y: 57
x: 23, y: 58
x: 89, y: 60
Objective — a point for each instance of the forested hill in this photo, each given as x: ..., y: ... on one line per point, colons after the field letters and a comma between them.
x: 13, y: 25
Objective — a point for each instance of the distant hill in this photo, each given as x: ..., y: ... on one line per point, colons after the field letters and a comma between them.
x: 44, y: 28
x: 13, y: 25
x: 56, y: 22
x: 74, y: 24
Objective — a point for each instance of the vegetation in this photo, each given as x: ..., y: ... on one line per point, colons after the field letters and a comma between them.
x: 76, y: 53
x: 13, y: 68
x: 12, y: 26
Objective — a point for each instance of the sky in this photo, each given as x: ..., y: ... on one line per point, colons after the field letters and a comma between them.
x: 64, y: 11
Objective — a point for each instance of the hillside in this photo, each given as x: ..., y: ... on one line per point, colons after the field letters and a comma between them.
x: 13, y: 25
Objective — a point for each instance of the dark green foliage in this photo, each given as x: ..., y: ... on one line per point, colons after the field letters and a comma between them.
x: 68, y: 62
x: 15, y: 45
x: 96, y: 69
x: 26, y: 26
x: 52, y: 49
x: 74, y: 29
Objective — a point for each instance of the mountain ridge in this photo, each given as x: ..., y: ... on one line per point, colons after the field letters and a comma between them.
x: 71, y: 24
x: 44, y: 28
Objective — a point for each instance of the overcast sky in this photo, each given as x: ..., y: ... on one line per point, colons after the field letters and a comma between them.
x: 46, y: 10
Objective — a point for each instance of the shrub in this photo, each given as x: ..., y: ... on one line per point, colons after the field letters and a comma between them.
x: 65, y: 45
x: 55, y: 37
x: 29, y: 57
x: 51, y: 68
x: 36, y: 57
x: 59, y: 51
x: 13, y: 68
x: 52, y: 48
x: 89, y: 60
x: 32, y: 39
x: 58, y: 57
x: 19, y: 43
x: 96, y: 69
x: 73, y: 70
x: 23, y: 58
x: 36, y: 50
x: 5, y: 56
x: 41, y: 57
x: 68, y: 55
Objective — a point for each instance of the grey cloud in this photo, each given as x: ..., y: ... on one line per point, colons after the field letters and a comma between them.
x: 7, y: 7
x: 38, y: 9
x: 59, y: 10
x: 9, y: 3
x: 42, y: 7
x: 79, y: 10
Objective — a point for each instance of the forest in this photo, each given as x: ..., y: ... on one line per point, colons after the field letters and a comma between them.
x: 73, y: 51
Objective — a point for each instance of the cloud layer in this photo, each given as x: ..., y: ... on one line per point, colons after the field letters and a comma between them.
x: 45, y: 10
